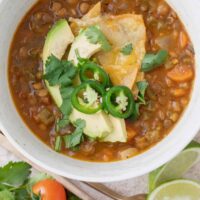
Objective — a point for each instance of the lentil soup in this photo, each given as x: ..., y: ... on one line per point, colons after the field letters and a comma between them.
x: 167, y: 94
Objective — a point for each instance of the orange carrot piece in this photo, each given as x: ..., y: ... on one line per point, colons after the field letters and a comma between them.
x: 183, y: 39
x: 178, y: 92
x: 181, y: 73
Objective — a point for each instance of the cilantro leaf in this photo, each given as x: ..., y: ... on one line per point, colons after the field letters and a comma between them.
x: 22, y: 194
x: 142, y: 86
x: 58, y: 143
x: 66, y: 107
x: 66, y: 92
x: 72, y: 141
x: 62, y: 123
x: 14, y: 174
x: 59, y: 72
x: 6, y: 195
x: 152, y: 61
x: 51, y: 64
x: 95, y: 35
x: 127, y: 49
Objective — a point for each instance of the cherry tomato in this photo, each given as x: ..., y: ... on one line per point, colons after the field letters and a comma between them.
x: 49, y: 189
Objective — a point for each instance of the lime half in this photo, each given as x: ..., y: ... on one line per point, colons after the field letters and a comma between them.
x: 177, y: 190
x: 176, y: 168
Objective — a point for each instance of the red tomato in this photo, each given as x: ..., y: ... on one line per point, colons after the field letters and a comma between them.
x: 50, y: 190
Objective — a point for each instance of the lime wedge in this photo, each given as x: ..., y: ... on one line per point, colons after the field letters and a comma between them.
x: 177, y: 190
x: 177, y: 167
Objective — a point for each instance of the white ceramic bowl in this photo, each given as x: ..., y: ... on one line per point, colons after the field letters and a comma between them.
x: 11, y: 12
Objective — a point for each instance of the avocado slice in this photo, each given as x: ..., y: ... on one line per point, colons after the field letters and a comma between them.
x: 85, y: 48
x: 56, y: 43
x: 97, y: 126
x: 119, y: 133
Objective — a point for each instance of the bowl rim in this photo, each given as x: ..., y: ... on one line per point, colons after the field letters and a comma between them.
x: 170, y: 153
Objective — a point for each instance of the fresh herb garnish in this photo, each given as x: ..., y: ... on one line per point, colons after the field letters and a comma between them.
x: 61, y: 73
x: 73, y: 140
x: 58, y: 143
x: 13, y: 181
x: 95, y: 35
x: 152, y: 61
x: 62, y: 123
x: 142, y: 87
x: 127, y: 49
x: 14, y: 174
x: 6, y: 195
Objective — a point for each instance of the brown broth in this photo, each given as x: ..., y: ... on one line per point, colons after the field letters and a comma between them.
x: 166, y: 98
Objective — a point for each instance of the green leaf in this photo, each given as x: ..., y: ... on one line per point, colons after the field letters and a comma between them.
x: 76, y: 137
x: 52, y: 64
x: 22, y: 194
x: 127, y: 49
x: 142, y: 86
x: 64, y: 80
x: 66, y: 92
x: 152, y: 61
x: 71, y: 196
x: 6, y: 195
x: 59, y: 72
x: 58, y: 144
x: 95, y: 35
x: 14, y: 174
x: 62, y: 123
x: 66, y: 107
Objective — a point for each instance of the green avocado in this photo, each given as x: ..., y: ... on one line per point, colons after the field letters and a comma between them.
x: 85, y: 48
x: 56, y: 43
x: 97, y: 125
x: 119, y: 133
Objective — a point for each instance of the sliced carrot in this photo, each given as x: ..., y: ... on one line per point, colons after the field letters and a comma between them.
x: 178, y: 92
x: 181, y: 73
x: 183, y: 39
